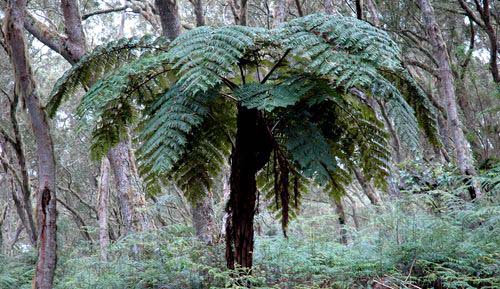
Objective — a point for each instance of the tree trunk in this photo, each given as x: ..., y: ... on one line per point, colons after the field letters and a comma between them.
x: 169, y: 18
x: 250, y: 153
x: 80, y: 223
x: 339, y: 209
x: 102, y: 211
x: 367, y: 187
x: 280, y: 11
x: 21, y: 158
x: 202, y: 210
x: 46, y: 195
x: 72, y: 47
x: 447, y: 91
x: 198, y: 12
x: 203, y: 220
x: 329, y: 7
x: 14, y: 180
x: 130, y: 196
x: 3, y: 216
x: 484, y: 21
x: 372, y: 8
x: 359, y: 9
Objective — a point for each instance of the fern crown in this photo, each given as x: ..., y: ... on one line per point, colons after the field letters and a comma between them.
x: 312, y: 79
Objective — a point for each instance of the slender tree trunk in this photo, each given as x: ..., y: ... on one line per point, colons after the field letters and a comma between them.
x: 494, y: 49
x: 103, y: 201
x: 72, y: 47
x: 250, y: 153
x: 372, y: 8
x: 80, y: 223
x: 3, y: 217
x: 280, y: 11
x: 484, y: 21
x: 46, y: 195
x: 14, y: 180
x: 359, y: 9
x: 339, y: 209
x: 447, y: 91
x: 21, y: 158
x: 198, y: 12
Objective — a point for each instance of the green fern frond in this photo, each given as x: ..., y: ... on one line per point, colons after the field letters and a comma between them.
x: 269, y: 96
x: 102, y: 60
x: 170, y: 121
x: 346, y: 50
x: 206, y: 55
x: 207, y: 152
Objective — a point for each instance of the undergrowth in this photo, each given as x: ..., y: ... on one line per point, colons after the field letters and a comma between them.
x: 428, y: 238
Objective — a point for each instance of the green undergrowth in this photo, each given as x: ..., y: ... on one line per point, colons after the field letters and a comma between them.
x: 429, y: 238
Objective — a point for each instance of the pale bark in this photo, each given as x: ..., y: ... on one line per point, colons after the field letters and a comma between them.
x: 17, y: 144
x: 447, y: 91
x: 280, y: 12
x: 339, y: 209
x: 203, y: 220
x: 3, y: 217
x: 46, y: 195
x: 168, y: 10
x: 72, y: 47
x: 372, y: 8
x: 74, y: 30
x: 367, y: 187
x: 130, y: 196
x: 202, y: 209
x: 329, y: 7
x: 198, y: 12
x: 103, y: 201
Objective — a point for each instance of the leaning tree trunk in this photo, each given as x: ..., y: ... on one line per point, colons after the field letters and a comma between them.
x: 447, y: 91
x: 46, y: 195
x: 250, y: 153
x: 367, y: 187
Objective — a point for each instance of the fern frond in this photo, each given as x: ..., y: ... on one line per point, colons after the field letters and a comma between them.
x: 269, y: 96
x: 102, y: 60
x: 207, y: 152
x: 169, y: 122
x: 206, y: 55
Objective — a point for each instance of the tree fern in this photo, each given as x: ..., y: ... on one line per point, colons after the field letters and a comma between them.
x: 300, y: 79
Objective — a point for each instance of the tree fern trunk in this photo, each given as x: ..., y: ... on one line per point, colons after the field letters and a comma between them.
x: 250, y: 153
